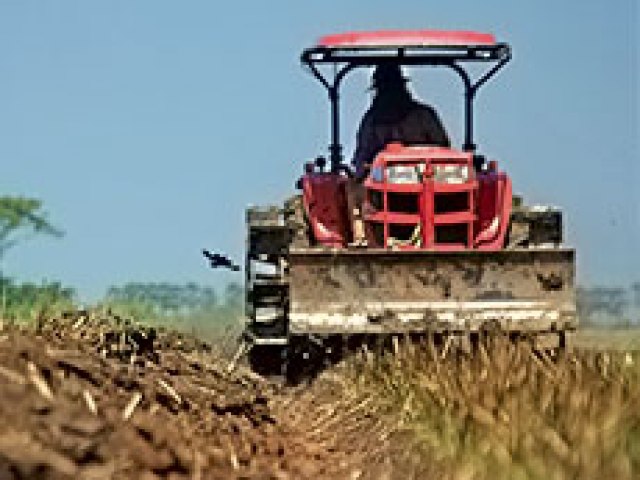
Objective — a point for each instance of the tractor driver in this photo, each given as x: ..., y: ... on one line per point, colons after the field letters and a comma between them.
x: 394, y: 116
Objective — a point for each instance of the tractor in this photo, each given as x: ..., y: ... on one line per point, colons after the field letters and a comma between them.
x: 450, y: 251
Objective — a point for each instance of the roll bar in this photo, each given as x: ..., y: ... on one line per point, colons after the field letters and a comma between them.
x: 349, y: 57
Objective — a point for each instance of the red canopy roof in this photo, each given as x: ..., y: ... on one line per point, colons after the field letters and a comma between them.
x: 406, y: 38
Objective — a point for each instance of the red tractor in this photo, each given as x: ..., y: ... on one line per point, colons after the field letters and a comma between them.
x: 449, y: 250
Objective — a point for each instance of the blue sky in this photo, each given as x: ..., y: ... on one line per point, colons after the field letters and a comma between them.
x: 147, y: 126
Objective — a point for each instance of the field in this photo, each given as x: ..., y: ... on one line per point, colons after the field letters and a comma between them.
x: 619, y: 339
x: 95, y: 396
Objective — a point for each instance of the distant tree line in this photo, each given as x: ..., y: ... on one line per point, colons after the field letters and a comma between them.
x: 609, y: 305
x: 198, y: 309
x: 165, y: 298
x: 181, y: 305
x: 169, y: 299
x: 28, y: 301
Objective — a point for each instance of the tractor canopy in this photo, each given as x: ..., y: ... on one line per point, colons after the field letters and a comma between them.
x: 429, y: 42
x: 443, y: 48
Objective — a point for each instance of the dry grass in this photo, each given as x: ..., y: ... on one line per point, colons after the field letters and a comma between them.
x: 504, y: 412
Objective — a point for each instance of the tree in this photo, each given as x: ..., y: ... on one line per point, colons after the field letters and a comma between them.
x: 233, y: 296
x: 21, y: 215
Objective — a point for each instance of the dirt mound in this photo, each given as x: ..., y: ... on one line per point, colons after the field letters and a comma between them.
x: 94, y: 396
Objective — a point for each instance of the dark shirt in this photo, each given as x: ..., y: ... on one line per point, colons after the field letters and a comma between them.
x: 396, y: 118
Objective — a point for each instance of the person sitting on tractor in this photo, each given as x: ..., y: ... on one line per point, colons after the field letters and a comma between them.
x: 394, y: 116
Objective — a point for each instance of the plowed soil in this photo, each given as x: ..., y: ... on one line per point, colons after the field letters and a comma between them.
x: 95, y: 397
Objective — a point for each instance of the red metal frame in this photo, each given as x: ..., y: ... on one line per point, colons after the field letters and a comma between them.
x: 406, y: 38
x: 494, y: 200
x: 324, y: 198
